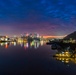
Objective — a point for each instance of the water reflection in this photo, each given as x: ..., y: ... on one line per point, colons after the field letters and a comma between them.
x: 65, y: 54
x: 26, y: 44
x: 66, y: 60
x: 14, y: 43
x: 5, y: 44
x: 33, y: 44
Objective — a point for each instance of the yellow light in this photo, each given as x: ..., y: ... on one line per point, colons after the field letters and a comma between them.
x: 66, y: 61
x: 66, y: 52
x: 63, y: 59
x: 62, y: 54
x: 59, y: 54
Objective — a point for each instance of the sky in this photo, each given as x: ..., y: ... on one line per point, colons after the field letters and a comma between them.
x: 46, y: 17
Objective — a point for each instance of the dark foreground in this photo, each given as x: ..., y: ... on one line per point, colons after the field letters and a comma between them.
x: 17, y: 60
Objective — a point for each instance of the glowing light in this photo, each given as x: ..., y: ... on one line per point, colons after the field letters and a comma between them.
x: 54, y: 36
x: 66, y: 61
x: 6, y: 45
x: 2, y: 44
x: 26, y: 45
x: 32, y: 43
x: 6, y: 39
x: 36, y: 44
x: 66, y: 52
x: 42, y: 43
x: 14, y: 43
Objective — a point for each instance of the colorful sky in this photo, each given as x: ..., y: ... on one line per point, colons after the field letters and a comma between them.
x: 46, y: 17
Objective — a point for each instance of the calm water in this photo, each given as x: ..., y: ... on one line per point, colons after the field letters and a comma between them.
x: 32, y: 59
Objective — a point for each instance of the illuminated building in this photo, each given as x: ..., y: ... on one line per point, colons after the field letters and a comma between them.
x: 4, y: 38
x: 30, y: 35
x: 35, y: 35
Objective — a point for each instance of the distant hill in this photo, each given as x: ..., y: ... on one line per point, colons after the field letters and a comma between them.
x: 72, y: 35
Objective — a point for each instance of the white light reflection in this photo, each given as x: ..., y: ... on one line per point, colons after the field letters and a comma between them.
x: 15, y: 43
x: 26, y: 45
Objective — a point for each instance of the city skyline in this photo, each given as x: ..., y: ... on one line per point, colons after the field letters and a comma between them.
x: 46, y: 17
x: 35, y: 34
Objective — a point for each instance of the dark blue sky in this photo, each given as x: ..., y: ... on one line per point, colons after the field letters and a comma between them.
x: 46, y: 17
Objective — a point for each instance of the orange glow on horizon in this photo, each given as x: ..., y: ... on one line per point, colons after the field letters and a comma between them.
x: 54, y: 36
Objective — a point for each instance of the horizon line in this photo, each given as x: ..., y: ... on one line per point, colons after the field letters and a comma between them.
x: 54, y: 36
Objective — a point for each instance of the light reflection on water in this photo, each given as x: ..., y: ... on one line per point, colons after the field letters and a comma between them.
x: 34, y: 44
x: 15, y: 60
x: 65, y: 54
x: 66, y: 60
